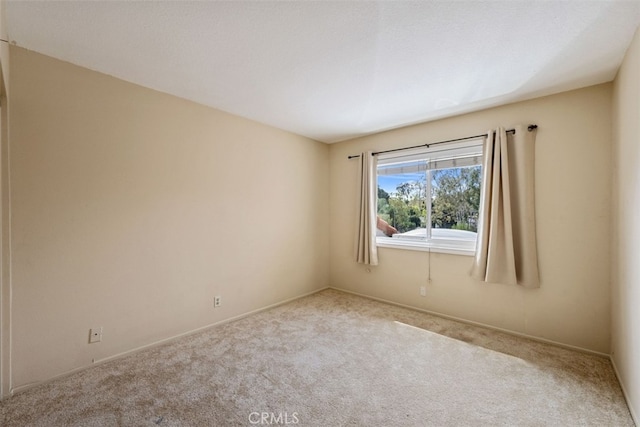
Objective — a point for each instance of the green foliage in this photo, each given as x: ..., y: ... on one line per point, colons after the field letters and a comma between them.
x: 463, y: 226
x: 455, y: 200
x: 404, y: 209
x: 399, y: 214
x: 382, y: 195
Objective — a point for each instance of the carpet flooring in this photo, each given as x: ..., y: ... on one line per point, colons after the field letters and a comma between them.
x: 334, y: 359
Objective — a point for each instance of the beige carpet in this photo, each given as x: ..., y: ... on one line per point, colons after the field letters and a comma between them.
x: 334, y: 359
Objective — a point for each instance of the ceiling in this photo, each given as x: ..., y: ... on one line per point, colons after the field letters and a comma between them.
x: 337, y: 70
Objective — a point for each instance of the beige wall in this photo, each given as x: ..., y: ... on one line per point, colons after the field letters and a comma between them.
x: 4, y: 47
x: 132, y: 209
x: 5, y: 253
x: 625, y: 343
x: 5, y: 297
x: 573, y: 170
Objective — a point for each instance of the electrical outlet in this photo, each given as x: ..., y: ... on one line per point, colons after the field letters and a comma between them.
x: 423, y: 291
x: 95, y: 335
x: 217, y: 301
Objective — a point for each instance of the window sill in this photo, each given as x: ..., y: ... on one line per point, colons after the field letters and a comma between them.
x: 385, y: 242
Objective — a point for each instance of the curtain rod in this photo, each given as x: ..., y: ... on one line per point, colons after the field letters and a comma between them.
x: 529, y: 128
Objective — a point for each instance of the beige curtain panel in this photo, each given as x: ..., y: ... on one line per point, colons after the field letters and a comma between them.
x: 506, y: 245
x: 367, y: 252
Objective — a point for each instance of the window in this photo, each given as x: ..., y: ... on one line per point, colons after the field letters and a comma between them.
x: 429, y: 198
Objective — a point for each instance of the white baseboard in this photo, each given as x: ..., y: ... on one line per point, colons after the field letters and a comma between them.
x: 471, y: 322
x: 635, y: 418
x: 157, y: 343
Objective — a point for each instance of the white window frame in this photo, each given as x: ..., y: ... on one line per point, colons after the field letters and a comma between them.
x: 434, y: 153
